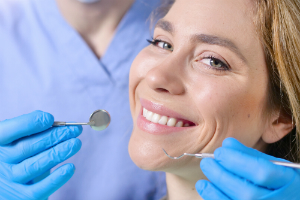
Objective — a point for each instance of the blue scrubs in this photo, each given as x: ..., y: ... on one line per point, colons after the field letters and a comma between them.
x: 46, y: 65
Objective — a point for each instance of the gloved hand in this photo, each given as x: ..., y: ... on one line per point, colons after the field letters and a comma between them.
x: 29, y: 147
x: 240, y: 172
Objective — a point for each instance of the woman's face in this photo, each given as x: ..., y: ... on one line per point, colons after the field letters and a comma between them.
x: 205, y: 72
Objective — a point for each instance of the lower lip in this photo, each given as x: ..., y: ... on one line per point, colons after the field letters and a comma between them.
x: 157, y: 129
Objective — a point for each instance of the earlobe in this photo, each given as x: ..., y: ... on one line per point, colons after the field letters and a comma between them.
x: 279, y: 126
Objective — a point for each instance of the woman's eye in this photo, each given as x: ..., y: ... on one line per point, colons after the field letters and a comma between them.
x: 164, y: 45
x: 215, y: 63
x: 161, y: 44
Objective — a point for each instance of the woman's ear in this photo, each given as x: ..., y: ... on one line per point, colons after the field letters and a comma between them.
x: 279, y: 126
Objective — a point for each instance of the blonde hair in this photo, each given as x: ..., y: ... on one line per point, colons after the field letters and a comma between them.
x: 278, y: 25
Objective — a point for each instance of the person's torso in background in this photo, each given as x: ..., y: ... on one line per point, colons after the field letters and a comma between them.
x: 45, y: 65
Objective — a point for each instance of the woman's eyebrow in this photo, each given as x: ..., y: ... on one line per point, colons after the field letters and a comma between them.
x: 165, y: 25
x: 224, y: 42
x: 204, y: 38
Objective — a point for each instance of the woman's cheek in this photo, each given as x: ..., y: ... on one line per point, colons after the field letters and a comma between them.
x: 145, y: 61
x: 233, y: 110
x: 138, y: 71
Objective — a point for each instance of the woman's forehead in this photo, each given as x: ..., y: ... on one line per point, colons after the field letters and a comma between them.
x: 212, y: 15
x: 230, y: 20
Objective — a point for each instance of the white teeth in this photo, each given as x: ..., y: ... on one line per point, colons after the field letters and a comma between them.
x: 171, y: 122
x: 163, y: 120
x: 186, y: 125
x: 155, y: 118
x: 179, y: 124
x: 149, y: 115
x: 145, y: 112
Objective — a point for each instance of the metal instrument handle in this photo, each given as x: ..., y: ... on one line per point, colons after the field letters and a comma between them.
x: 56, y: 123
x: 286, y: 164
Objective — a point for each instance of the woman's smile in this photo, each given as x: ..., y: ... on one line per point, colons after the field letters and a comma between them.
x: 157, y: 119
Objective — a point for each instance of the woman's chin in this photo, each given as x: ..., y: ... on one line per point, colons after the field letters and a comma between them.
x: 187, y: 167
x: 146, y: 164
x: 148, y: 156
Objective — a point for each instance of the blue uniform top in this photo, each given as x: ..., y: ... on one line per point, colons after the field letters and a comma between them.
x: 46, y: 65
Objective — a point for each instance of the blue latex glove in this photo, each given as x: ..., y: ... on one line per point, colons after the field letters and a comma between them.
x: 29, y: 147
x: 240, y: 172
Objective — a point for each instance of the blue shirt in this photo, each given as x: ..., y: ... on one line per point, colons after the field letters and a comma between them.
x: 46, y: 65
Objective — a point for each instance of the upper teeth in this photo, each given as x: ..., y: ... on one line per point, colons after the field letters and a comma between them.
x: 163, y: 120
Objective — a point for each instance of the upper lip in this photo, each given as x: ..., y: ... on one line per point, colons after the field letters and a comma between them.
x: 162, y: 110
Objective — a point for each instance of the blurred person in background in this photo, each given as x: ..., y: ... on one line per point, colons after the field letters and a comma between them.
x: 69, y: 58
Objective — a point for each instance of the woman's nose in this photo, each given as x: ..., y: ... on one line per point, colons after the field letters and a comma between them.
x: 166, y: 78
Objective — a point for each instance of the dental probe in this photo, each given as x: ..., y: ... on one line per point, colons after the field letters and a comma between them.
x: 99, y: 120
x: 211, y: 155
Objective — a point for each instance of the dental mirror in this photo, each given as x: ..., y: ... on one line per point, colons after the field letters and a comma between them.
x: 99, y: 120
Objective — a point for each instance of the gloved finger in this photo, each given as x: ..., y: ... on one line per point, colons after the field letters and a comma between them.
x: 39, y: 164
x: 258, y: 170
x: 289, y: 191
x: 13, y: 191
x: 24, y: 125
x: 235, y: 144
x: 231, y: 185
x: 21, y: 149
x: 5, y: 171
x: 53, y: 182
x: 208, y: 191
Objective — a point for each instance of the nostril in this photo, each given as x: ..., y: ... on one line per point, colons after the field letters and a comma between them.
x: 161, y: 90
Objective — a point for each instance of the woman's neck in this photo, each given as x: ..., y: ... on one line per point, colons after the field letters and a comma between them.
x: 95, y: 22
x: 180, y: 188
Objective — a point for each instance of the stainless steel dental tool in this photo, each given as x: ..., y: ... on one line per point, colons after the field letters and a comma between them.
x: 99, y: 120
x: 211, y: 155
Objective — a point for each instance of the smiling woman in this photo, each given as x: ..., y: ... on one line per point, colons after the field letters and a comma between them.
x: 217, y: 69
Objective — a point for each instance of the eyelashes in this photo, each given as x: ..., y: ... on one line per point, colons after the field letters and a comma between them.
x: 210, y: 61
x: 153, y: 41
x: 161, y: 44
x: 215, y: 63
